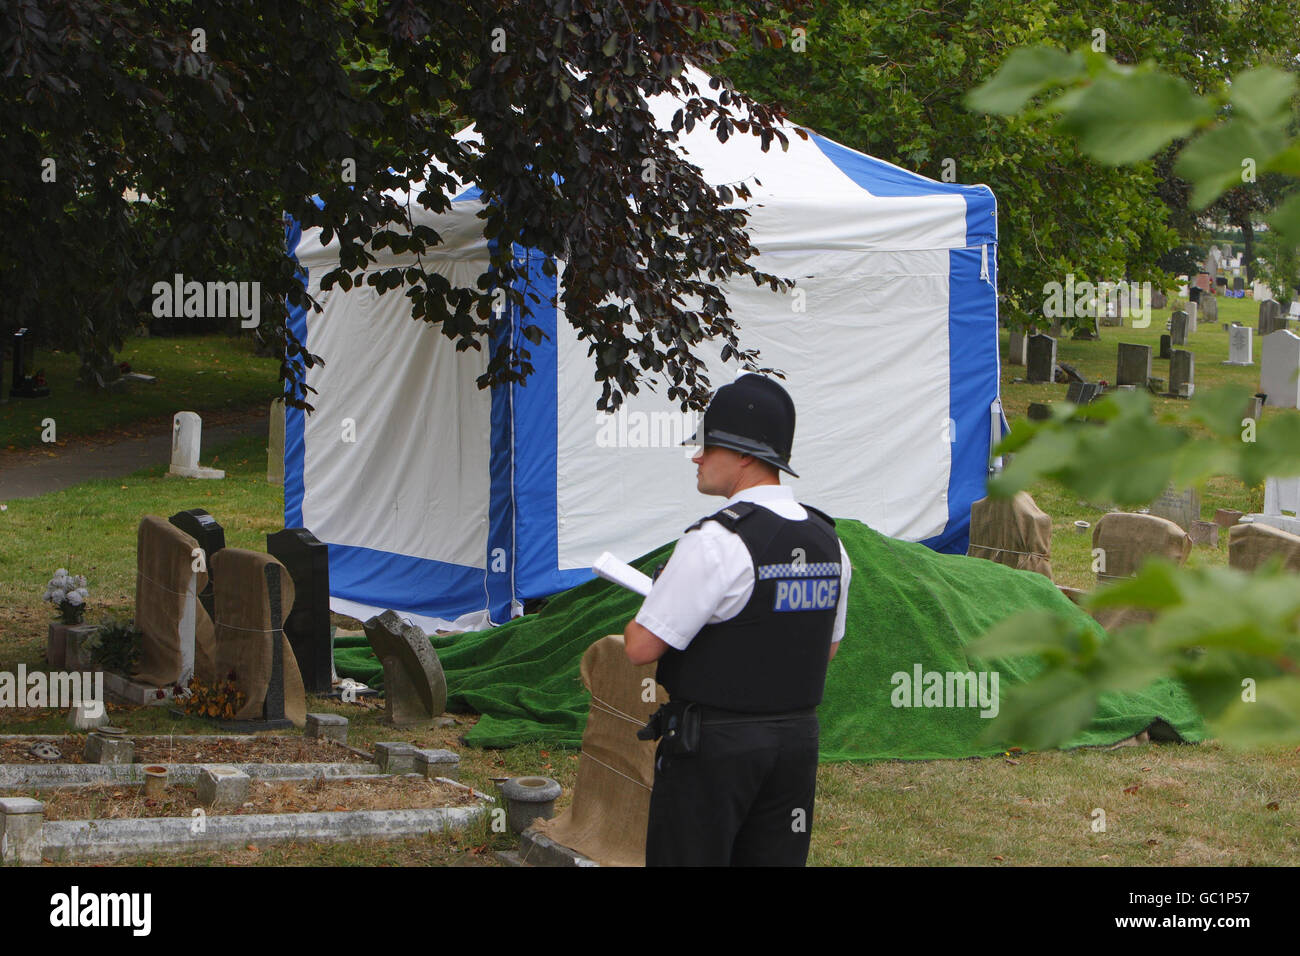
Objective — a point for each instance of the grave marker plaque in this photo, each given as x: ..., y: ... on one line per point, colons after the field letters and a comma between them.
x: 308, y: 625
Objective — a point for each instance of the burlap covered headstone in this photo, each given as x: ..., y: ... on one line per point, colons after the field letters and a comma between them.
x: 167, y: 608
x: 245, y: 629
x: 611, y: 799
x: 1125, y: 541
x: 1012, y: 531
x: 1250, y: 545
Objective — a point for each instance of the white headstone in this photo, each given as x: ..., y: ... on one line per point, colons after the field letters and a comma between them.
x: 1240, y: 345
x: 187, y: 434
x: 1282, y: 495
x: 1294, y: 311
x: 1192, y: 310
x: 1279, y: 363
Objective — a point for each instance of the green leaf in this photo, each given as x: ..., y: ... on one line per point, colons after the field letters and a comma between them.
x: 1028, y: 632
x: 1264, y: 94
x: 1215, y: 161
x: 1286, y: 218
x: 1025, y: 73
x: 1124, y: 119
x: 1154, y: 587
x: 1046, y: 712
x: 1272, y: 718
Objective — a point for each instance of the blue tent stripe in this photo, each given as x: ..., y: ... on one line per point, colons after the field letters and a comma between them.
x: 295, y: 448
x: 404, y: 583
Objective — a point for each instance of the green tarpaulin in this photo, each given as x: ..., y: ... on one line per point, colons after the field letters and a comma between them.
x: 911, y: 611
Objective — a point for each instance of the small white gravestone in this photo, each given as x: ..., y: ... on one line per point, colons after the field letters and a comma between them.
x: 1192, y: 310
x: 1281, y: 495
x: 187, y: 433
x: 1279, y: 362
x: 1294, y: 311
x: 1240, y: 345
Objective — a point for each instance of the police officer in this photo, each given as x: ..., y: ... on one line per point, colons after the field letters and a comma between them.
x: 743, y: 620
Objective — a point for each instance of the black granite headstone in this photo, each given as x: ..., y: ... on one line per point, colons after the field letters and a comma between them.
x: 308, y: 624
x: 1238, y: 284
x: 1082, y: 393
x: 1166, y: 343
x: 204, y: 529
x: 1194, y: 294
x: 24, y: 385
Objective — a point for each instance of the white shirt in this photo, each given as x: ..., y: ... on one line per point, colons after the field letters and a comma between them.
x: 710, y: 576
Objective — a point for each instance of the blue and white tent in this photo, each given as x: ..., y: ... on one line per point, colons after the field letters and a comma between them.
x: 454, y: 504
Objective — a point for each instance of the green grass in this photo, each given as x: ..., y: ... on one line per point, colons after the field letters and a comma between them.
x: 195, y: 373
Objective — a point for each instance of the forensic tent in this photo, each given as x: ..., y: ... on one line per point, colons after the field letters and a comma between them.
x: 455, y: 505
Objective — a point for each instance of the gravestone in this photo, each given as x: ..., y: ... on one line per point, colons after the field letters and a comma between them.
x: 1270, y: 316
x: 1039, y: 411
x: 1279, y: 360
x: 1251, y: 544
x: 1254, y: 406
x: 187, y: 434
x: 1209, y: 307
x: 1134, y: 365
x: 211, y: 537
x: 1193, y: 310
x: 275, y: 444
x: 1017, y: 342
x: 1238, y: 284
x: 308, y: 623
x: 1194, y: 294
x: 1087, y: 333
x: 1166, y: 343
x: 1178, y: 324
x: 1041, y: 360
x: 415, y: 689
x: 24, y: 383
x: 1294, y: 311
x: 1158, y: 299
x: 253, y: 591
x: 176, y: 629
x: 1182, y: 507
x: 1182, y: 371
x: 1082, y: 393
x: 1240, y: 342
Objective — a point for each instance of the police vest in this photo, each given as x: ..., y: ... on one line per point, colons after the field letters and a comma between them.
x: 771, y: 657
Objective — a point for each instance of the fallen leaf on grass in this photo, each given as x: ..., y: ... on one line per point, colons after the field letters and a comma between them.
x: 1132, y: 789
x: 1271, y: 806
x: 997, y: 858
x: 1014, y: 763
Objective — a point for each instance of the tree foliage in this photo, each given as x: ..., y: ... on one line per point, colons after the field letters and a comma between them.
x: 229, y: 115
x: 1232, y: 638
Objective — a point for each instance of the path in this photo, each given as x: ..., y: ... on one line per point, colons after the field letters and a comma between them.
x: 28, y: 474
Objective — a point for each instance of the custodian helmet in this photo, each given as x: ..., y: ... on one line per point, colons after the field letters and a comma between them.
x: 753, y: 415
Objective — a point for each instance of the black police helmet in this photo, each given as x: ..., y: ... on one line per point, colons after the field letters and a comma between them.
x: 753, y: 415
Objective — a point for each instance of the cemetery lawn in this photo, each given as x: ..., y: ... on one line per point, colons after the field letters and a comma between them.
x: 1164, y: 804
x: 211, y: 375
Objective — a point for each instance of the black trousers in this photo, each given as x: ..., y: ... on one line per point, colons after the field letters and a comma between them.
x: 746, y: 799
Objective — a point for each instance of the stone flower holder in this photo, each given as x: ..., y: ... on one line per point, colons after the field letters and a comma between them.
x: 528, y: 798
x: 155, y: 782
x: 63, y: 646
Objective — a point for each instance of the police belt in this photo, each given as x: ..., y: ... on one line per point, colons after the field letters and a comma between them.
x: 682, y: 719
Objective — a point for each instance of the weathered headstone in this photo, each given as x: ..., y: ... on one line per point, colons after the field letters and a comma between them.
x: 1204, y: 533
x: 1178, y: 326
x: 1279, y: 360
x: 1134, y: 365
x: 24, y: 382
x: 1194, y: 294
x: 1082, y: 393
x: 1254, y: 406
x: 1158, y: 299
x: 1238, y: 284
x: 1182, y: 507
x: 1166, y: 344
x: 1017, y: 342
x: 1240, y: 342
x: 1209, y: 307
x: 1270, y: 317
x: 1039, y: 411
x: 275, y: 444
x: 415, y: 689
x: 1182, y: 372
x: 176, y: 629
x: 308, y: 623
x: 253, y: 592
x: 211, y: 537
x: 187, y: 434
x: 1041, y: 363
x: 1251, y: 544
